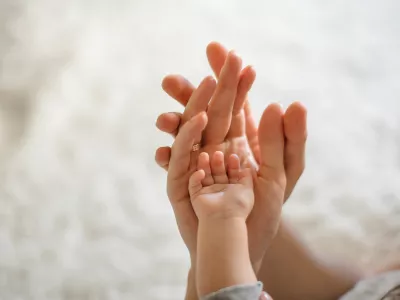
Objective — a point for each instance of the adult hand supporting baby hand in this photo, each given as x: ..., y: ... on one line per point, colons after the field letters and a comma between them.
x: 179, y: 88
x: 282, y: 136
x: 288, y: 261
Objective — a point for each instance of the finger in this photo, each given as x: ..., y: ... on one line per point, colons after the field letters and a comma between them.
x: 247, y: 78
x: 163, y: 154
x: 195, y: 184
x: 295, y: 129
x: 200, y: 98
x: 178, y: 87
x: 169, y: 122
x: 203, y: 163
x: 216, y: 54
x: 238, y: 122
x: 218, y: 168
x: 221, y: 105
x: 198, y: 102
x: 179, y: 163
x: 272, y: 143
x: 233, y: 168
x: 252, y: 132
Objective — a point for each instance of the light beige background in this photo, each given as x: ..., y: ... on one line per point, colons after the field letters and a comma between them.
x: 83, y: 210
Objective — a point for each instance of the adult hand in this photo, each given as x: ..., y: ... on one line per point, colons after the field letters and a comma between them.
x: 278, y: 145
x: 295, y: 131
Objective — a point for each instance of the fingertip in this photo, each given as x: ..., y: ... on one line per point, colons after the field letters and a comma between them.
x: 177, y: 87
x: 216, y: 55
x: 162, y: 151
x: 297, y: 105
x: 252, y: 72
x: 296, y: 109
x: 234, y: 58
x: 210, y: 81
x: 213, y: 45
x: 200, y: 118
x: 248, y: 75
x: 209, y: 78
x: 233, y: 162
x: 168, y: 122
x: 203, y: 155
x: 218, y: 155
x: 234, y: 158
x: 277, y: 107
x: 202, y: 174
x: 162, y: 156
x: 202, y: 160
x: 216, y: 49
x: 165, y: 83
x: 295, y: 122
x: 272, y: 115
x: 161, y: 120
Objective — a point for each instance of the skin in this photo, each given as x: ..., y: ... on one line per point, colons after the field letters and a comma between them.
x: 268, y: 167
x: 277, y: 145
x: 288, y: 131
x: 222, y: 200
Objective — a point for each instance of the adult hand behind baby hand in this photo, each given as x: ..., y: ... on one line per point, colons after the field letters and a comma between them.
x: 224, y: 193
x: 278, y: 145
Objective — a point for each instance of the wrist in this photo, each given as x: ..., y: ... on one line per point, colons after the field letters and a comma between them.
x: 191, y: 289
x: 222, y: 222
x: 222, y: 255
x: 193, y: 260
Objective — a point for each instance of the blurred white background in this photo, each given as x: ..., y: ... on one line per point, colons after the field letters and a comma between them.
x: 83, y: 209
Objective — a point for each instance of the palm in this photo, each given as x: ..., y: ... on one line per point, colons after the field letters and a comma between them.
x: 262, y: 221
x: 235, y: 145
x: 231, y: 129
x: 260, y: 227
x: 215, y: 198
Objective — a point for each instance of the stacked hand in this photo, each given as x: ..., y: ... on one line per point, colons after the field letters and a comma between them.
x: 218, y: 116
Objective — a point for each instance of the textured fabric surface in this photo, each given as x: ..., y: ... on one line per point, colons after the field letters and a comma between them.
x: 83, y: 208
x: 239, y: 292
x: 382, y: 287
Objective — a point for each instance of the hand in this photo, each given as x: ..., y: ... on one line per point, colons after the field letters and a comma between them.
x: 217, y: 192
x: 214, y: 138
x: 294, y: 119
x: 278, y: 135
x: 222, y: 198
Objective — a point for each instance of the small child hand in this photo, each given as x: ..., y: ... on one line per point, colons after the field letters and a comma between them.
x: 220, y: 192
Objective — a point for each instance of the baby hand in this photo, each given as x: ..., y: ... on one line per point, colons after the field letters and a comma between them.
x: 217, y: 192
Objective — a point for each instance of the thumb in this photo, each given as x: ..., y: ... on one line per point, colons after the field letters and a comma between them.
x: 272, y: 143
x: 181, y: 149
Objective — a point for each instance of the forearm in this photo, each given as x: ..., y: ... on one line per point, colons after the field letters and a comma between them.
x: 191, y: 289
x: 290, y: 271
x: 222, y: 256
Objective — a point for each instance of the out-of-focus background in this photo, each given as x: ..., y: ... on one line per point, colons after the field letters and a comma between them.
x: 83, y: 209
